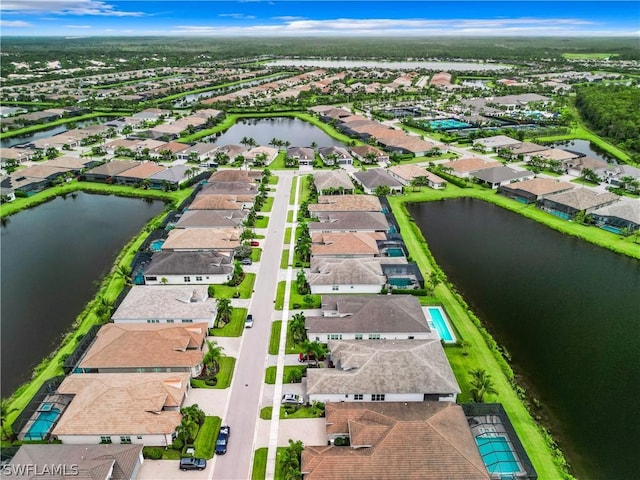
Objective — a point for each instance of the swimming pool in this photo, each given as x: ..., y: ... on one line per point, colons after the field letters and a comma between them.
x: 156, y: 245
x: 446, y: 124
x: 496, y: 454
x: 441, y: 324
x: 43, y: 424
x: 395, y: 252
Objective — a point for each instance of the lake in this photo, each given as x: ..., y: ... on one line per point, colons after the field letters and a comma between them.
x: 457, y: 66
x: 263, y: 130
x: 586, y: 147
x: 566, y: 310
x: 53, y: 256
x: 49, y: 132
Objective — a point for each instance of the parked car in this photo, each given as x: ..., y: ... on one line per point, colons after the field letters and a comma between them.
x: 255, y: 243
x: 291, y: 399
x: 246, y: 261
x: 192, y: 463
x: 223, y: 439
x: 248, y: 322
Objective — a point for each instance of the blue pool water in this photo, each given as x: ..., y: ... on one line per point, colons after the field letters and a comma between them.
x: 395, y: 252
x: 156, y: 245
x: 42, y: 425
x: 497, y: 455
x: 442, y: 325
x: 447, y: 124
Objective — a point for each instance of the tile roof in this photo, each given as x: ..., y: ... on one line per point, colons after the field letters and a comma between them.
x: 368, y: 221
x: 376, y: 177
x: 145, y: 170
x: 345, y: 271
x: 114, y: 167
x: 470, y: 164
x: 230, y: 188
x: 346, y: 203
x: 146, y: 345
x: 332, y: 179
x: 202, y: 239
x: 582, y: 198
x: 189, y: 263
x: 122, y: 403
x: 220, y: 202
x: 626, y: 209
x: 211, y: 218
x: 539, y: 186
x: 345, y: 243
x: 235, y: 176
x: 402, y: 441
x: 384, y: 367
x: 557, y: 154
x: 501, y: 174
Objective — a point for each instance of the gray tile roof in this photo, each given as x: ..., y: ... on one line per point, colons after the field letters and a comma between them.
x: 332, y: 179
x: 174, y: 174
x: 113, y: 167
x: 345, y: 271
x: 501, y: 174
x: 94, y: 462
x: 193, y: 263
x: 352, y: 221
x: 230, y: 188
x: 370, y: 314
x: 582, y: 198
x: 625, y: 209
x: 376, y: 177
x: 211, y: 218
x: 384, y: 366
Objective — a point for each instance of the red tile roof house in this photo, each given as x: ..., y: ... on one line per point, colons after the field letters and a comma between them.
x: 140, y: 408
x: 410, y: 144
x: 405, y: 174
x: 369, y: 154
x: 464, y: 167
x: 136, y: 175
x: 404, y: 441
x: 145, y: 348
x: 383, y: 371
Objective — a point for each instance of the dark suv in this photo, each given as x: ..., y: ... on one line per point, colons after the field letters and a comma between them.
x: 223, y: 439
x: 192, y: 463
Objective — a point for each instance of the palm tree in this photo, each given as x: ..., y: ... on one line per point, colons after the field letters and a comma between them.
x: 195, y: 413
x: 224, y: 311
x: 124, y: 272
x: 5, y: 411
x: 301, y: 283
x: 481, y: 384
x: 303, y: 248
x: 211, y: 359
x: 187, y: 430
x: 289, y: 465
x: 297, y: 328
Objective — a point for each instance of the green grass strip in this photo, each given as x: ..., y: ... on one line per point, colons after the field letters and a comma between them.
x: 207, y: 436
x: 262, y: 222
x: 256, y: 254
x: 235, y: 327
x: 267, y: 205
x: 274, y: 339
x: 284, y: 260
x: 292, y: 193
x: 245, y: 288
x: 287, y: 234
x: 259, y: 470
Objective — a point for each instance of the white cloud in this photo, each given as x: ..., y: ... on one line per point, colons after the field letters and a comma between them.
x: 238, y: 16
x: 65, y: 7
x: 14, y: 24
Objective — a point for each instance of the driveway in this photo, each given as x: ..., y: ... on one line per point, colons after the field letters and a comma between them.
x: 169, y: 470
x: 311, y: 431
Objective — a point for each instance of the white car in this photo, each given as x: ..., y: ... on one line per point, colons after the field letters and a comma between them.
x: 248, y: 322
x: 291, y: 399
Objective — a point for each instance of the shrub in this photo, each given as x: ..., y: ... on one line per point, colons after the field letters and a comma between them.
x: 178, y: 443
x: 212, y: 382
x: 153, y: 454
x: 210, y: 291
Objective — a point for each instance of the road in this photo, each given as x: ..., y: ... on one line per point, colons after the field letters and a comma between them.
x: 243, y: 404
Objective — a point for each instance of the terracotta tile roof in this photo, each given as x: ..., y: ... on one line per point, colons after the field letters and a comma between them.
x: 346, y: 243
x: 122, y: 403
x: 211, y: 218
x: 202, y: 239
x: 539, y: 186
x: 556, y: 154
x: 235, y: 176
x: 350, y: 221
x: 346, y: 203
x: 113, y: 167
x: 345, y: 271
x: 143, y: 171
x: 146, y: 345
x: 470, y: 164
x: 220, y: 202
x: 403, y: 441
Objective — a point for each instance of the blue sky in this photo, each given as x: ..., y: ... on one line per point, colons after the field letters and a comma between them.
x: 308, y: 18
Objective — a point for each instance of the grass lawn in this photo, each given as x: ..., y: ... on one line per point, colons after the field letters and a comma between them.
x: 297, y: 299
x: 245, y: 288
x: 235, y: 327
x: 278, y: 162
x: 62, y: 121
x: 266, y: 413
x: 589, y: 56
x: 481, y: 353
x: 284, y: 260
x: 274, y: 339
x: 280, y: 295
x: 262, y: 222
x: 270, y: 374
x: 207, y: 435
x: 306, y: 191
x: 273, y: 180
x: 287, y: 233
x: 581, y: 181
x: 227, y: 364
x: 290, y: 216
x: 259, y: 469
x: 292, y: 193
x: 268, y: 205
x: 256, y: 254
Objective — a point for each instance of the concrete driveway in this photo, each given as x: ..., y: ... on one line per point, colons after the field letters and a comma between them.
x: 169, y: 470
x: 311, y: 431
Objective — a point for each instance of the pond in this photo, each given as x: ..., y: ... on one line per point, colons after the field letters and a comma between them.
x: 49, y: 132
x: 193, y: 97
x: 586, y: 147
x: 53, y: 257
x: 567, y: 312
x: 298, y: 132
x: 457, y: 66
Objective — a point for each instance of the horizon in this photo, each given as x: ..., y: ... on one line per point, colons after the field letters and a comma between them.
x: 293, y: 19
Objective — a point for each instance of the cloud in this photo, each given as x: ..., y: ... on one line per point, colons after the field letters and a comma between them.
x: 14, y: 24
x: 238, y: 16
x: 65, y: 7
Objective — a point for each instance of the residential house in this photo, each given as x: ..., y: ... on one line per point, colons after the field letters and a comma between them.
x: 349, y: 222
x: 229, y: 188
x: 621, y: 216
x: 371, y: 179
x: 333, y: 114
x: 410, y: 144
x: 304, y: 155
x: 332, y: 181
x: 138, y: 408
x: 576, y: 166
x: 531, y: 191
x: 400, y: 274
x: 614, y: 175
x: 168, y: 151
x: 211, y: 219
x: 498, y: 176
x: 249, y: 176
x: 335, y: 156
x: 199, y: 152
x: 407, y: 174
x: 261, y: 155
x: 34, y: 178
x: 404, y: 440
x: 555, y: 158
x: 345, y: 203
x: 171, y: 177
x: 166, y: 304
x: 345, y: 275
x: 346, y: 244
x: 107, y: 171
x: 464, y: 167
x: 76, y: 165
x: 222, y: 202
x: 384, y: 371
x: 138, y: 174
x: 522, y: 151
x: 15, y: 156
x: 125, y: 143
x: 362, y: 317
x: 232, y: 151
x: 369, y: 154
x: 145, y: 348
x: 188, y: 268
x: 90, y: 462
x: 568, y: 204
x: 221, y: 240
x: 495, y: 143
